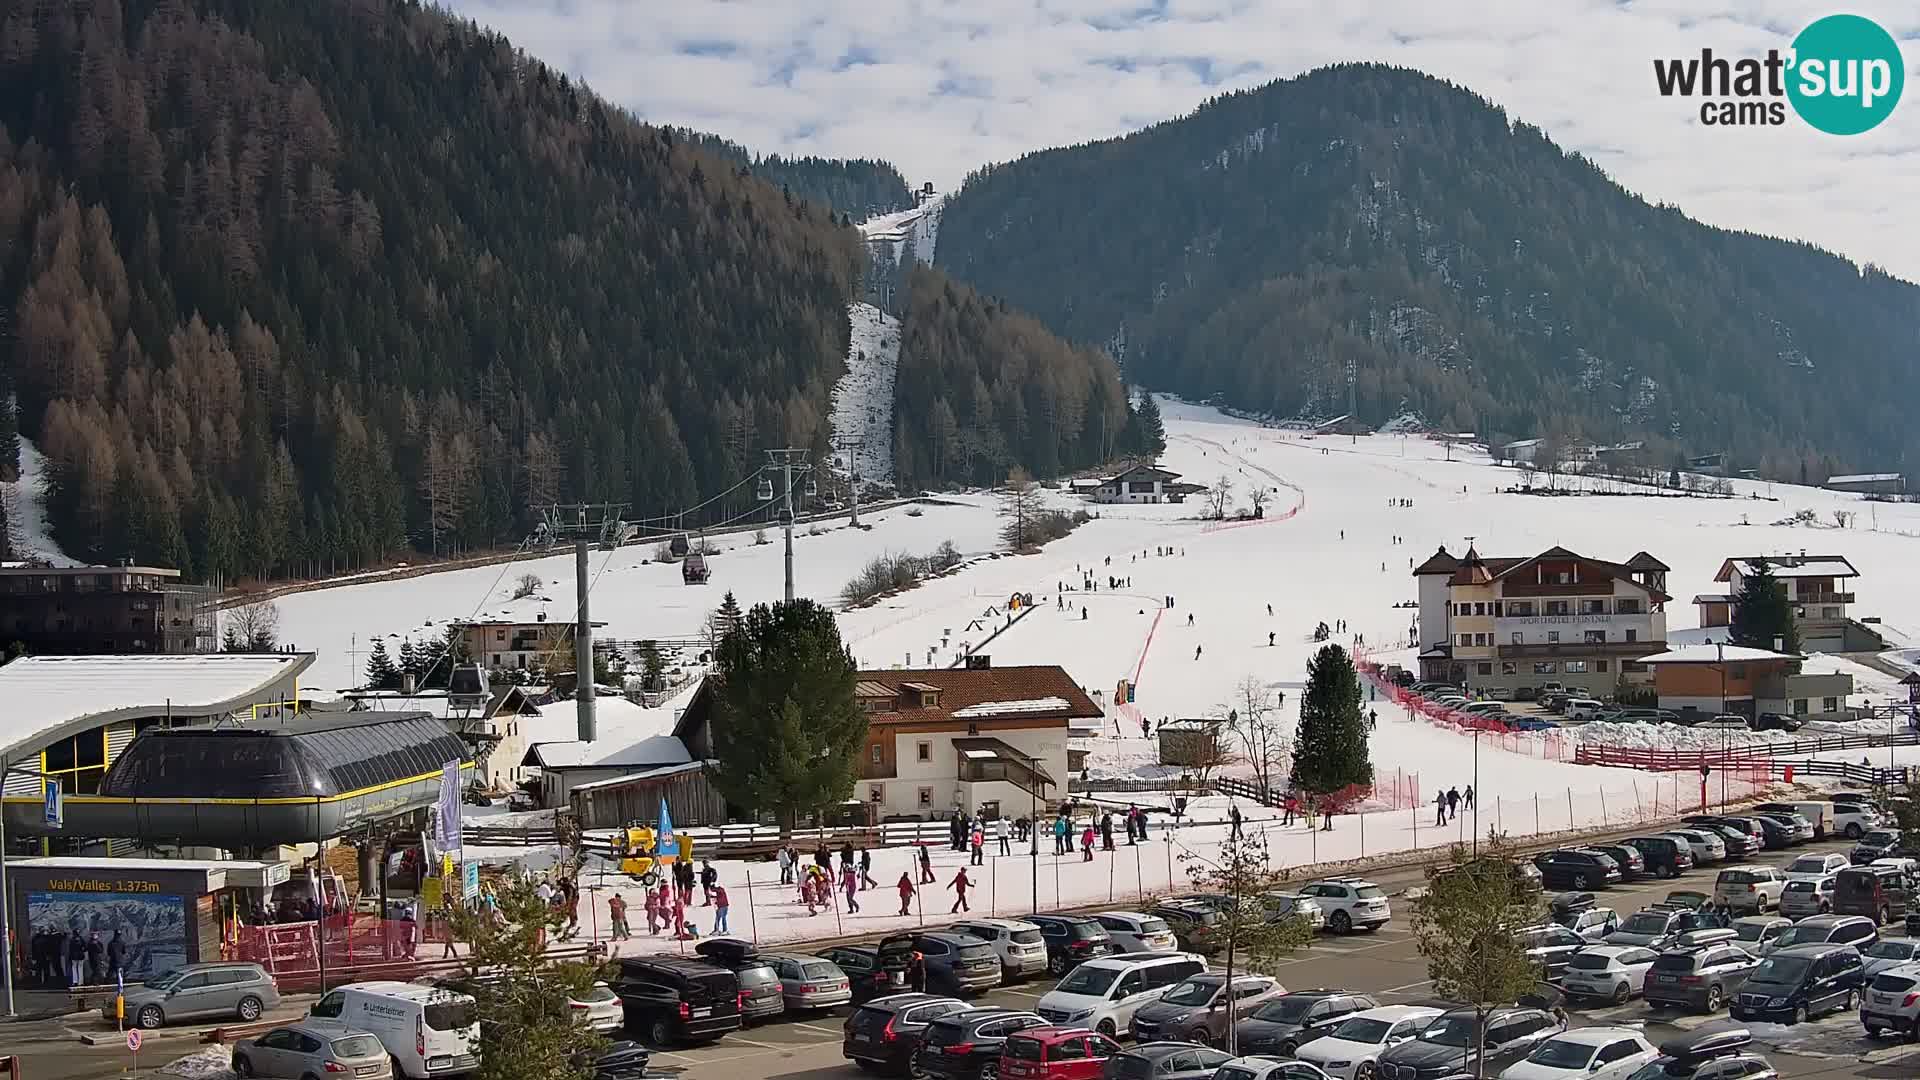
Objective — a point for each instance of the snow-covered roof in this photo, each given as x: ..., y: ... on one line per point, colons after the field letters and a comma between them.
x: 995, y: 708
x: 1713, y: 598
x: 1713, y: 654
x: 1786, y: 566
x: 643, y: 774
x: 49, y: 695
x: 625, y: 734
x: 1864, y: 478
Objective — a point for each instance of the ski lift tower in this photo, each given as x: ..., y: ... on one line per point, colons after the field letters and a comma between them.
x: 850, y: 448
x: 784, y: 464
x: 585, y: 524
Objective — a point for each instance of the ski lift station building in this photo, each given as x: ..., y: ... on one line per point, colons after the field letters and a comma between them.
x: 211, y: 750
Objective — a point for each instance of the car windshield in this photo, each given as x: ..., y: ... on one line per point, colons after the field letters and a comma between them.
x: 1891, y: 950
x: 1645, y: 922
x: 1192, y: 992
x: 1880, y: 839
x: 1781, y: 969
x: 1800, y: 935
x: 1562, y: 1054
x: 1451, y: 1030
x: 1752, y: 931
x: 1023, y: 1049
x: 1286, y: 1010
x: 166, y: 979
x: 1370, y: 892
x: 1091, y: 980
x: 1802, y: 885
x: 817, y: 972
x: 1808, y: 864
x: 356, y: 1046
x: 757, y: 975
x: 1025, y: 937
x: 1585, y: 961
x: 1153, y: 926
x: 598, y: 993
x: 1363, y: 1029
x: 1129, y: 1066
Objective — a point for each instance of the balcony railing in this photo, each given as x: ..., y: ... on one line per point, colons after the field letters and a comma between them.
x: 1581, y: 648
x: 1000, y: 769
x: 1824, y: 598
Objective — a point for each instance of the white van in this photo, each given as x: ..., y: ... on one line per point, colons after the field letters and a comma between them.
x: 1104, y: 994
x: 429, y: 1031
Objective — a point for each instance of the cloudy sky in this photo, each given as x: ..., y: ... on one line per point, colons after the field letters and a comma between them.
x: 940, y: 87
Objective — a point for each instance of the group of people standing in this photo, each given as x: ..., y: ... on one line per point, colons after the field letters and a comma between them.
x: 61, y: 958
x: 1447, y: 804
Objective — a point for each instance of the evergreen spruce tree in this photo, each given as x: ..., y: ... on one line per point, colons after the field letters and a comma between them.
x: 1762, y: 613
x: 1330, y: 750
x: 410, y: 661
x: 653, y: 666
x: 1153, y: 431
x: 786, y: 730
x: 382, y: 674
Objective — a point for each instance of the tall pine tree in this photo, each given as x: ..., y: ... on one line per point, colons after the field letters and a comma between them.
x: 785, y: 726
x: 1330, y: 749
x: 1151, y: 437
x: 382, y: 673
x: 1762, y: 613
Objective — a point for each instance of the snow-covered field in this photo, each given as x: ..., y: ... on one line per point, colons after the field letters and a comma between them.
x: 863, y: 398
x: 26, y: 516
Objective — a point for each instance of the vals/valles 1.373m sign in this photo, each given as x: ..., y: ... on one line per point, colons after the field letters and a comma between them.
x: 1842, y: 75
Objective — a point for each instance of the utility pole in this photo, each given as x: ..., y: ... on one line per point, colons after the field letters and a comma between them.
x: 852, y: 448
x: 1351, y: 398
x: 784, y: 463
x: 586, y: 523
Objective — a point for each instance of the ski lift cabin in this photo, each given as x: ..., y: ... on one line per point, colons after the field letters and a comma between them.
x: 678, y: 546
x: 693, y: 569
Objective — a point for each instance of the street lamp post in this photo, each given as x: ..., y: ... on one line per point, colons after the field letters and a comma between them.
x: 1720, y: 658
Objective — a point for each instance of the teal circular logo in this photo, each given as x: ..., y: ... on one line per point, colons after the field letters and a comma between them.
x: 1846, y: 74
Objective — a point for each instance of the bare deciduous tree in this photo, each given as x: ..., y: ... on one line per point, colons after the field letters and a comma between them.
x: 1259, y: 497
x: 1220, y: 496
x: 526, y: 585
x: 253, y: 627
x: 1257, y: 726
x: 1021, y: 503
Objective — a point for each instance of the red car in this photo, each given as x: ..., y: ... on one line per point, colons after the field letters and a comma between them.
x: 1055, y: 1053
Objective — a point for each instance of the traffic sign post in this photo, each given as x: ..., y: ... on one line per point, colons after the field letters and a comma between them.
x: 133, y: 1047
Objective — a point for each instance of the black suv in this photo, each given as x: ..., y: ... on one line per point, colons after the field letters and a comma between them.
x: 1802, y: 981
x: 1633, y: 865
x: 1445, y: 1047
x: 966, y: 1045
x: 1576, y: 868
x: 1739, y: 836
x: 861, y: 964
x: 885, y: 1033
x: 1071, y: 939
x: 1283, y: 1024
x: 1666, y: 857
x: 675, y: 1000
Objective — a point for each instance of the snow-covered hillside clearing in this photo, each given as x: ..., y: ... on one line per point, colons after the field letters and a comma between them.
x: 863, y: 398
x: 26, y: 511
x: 919, y: 226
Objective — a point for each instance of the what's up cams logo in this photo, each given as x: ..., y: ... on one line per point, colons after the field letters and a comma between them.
x: 1842, y: 75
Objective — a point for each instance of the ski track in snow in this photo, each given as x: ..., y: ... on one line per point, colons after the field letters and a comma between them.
x: 863, y: 398
x: 26, y: 512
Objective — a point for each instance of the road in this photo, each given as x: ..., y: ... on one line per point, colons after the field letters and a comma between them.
x: 1384, y: 964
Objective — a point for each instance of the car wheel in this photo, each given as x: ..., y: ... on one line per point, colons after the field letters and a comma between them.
x: 1621, y: 993
x: 242, y: 1066
x: 1364, y: 1072
x: 1579, y: 881
x: 990, y: 1069
x: 1105, y: 1027
x: 249, y: 1010
x: 150, y: 1017
x: 1340, y: 923
x: 915, y: 1070
x: 398, y: 1072
x: 1881, y: 918
x: 1667, y: 870
x: 1847, y: 1003
x: 1056, y: 965
x: 1289, y: 1048
x: 1853, y: 830
x: 1713, y: 999
x: 1799, y: 1014
x: 660, y: 1033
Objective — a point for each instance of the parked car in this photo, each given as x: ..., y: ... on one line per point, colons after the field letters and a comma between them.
x: 1351, y: 1048
x: 861, y: 965
x: 1816, y: 865
x: 201, y: 991
x: 1550, y: 945
x: 1071, y: 939
x: 1192, y: 924
x: 1257, y: 1067
x: 884, y: 1034
x: 1287, y: 905
x: 1807, y: 896
x: 967, y: 1045
x: 1706, y: 847
x: 1666, y: 856
x: 1889, y: 953
x: 673, y: 1000
x: 1593, y: 924
x: 1699, y: 979
x: 1736, y: 839
x: 1104, y: 994
x: 1055, y: 1053
x: 1019, y: 944
x: 1685, y: 900
x: 1797, y: 982
x: 1854, y: 819
x: 1197, y: 1009
x: 1752, y: 887
x: 621, y: 1059
x: 1720, y: 1054
x: 1650, y: 928
x: 313, y: 1048
x: 1774, y: 721
x: 810, y: 982
x: 1350, y: 903
x: 1164, y: 1061
x: 1877, y: 844
x: 761, y: 995
x: 1447, y: 1045
x: 598, y: 1007
x: 1855, y: 930
x: 1633, y: 865
x: 1757, y: 933
x: 1594, y: 1053
x: 957, y: 963
x: 1881, y: 893
x: 1283, y: 1025
x: 1585, y: 708
x: 1727, y: 721
x: 1136, y: 931
x: 1576, y: 868
x: 1608, y: 972
x: 1892, y: 1002
x: 1793, y: 829
x: 428, y: 1031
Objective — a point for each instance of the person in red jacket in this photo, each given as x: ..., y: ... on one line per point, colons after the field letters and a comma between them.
x: 959, y: 885
x: 906, y: 892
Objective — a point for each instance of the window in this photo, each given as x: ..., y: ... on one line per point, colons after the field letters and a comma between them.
x: 1738, y: 671
x: 1485, y: 669
x: 1508, y: 667
x: 1482, y: 639
x: 926, y: 796
x: 1519, y: 638
x: 1553, y: 636
x: 1558, y: 607
x: 1069, y: 1049
x: 1596, y: 637
x: 1600, y: 666
x: 876, y: 794
x: 1520, y: 608
x: 923, y: 751
x: 1799, y: 706
x: 1463, y: 609
x: 1829, y: 612
x: 1466, y: 639
x: 1830, y: 704
x: 1545, y: 667
x: 874, y: 753
x: 1633, y: 635
x: 1576, y: 667
x: 1631, y: 666
x: 1627, y: 605
x: 1479, y: 609
x: 499, y: 635
x: 1593, y: 607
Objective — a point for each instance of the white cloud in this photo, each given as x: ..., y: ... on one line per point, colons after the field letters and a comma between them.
x: 940, y: 87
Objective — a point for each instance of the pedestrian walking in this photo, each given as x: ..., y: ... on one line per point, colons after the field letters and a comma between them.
x: 850, y: 884
x: 1106, y: 831
x: 1453, y: 802
x: 959, y: 886
x: 785, y: 858
x: 1233, y: 816
x: 617, y: 913
x: 1189, y: 618
x: 652, y: 903
x: 1440, y: 808
x: 866, y: 870
x: 1061, y: 845
x: 1289, y: 808
x: 1196, y: 652
x: 720, y: 906
x: 926, y: 866
x: 709, y: 877
x: 979, y: 847
x: 906, y: 892
x: 1000, y: 835
x: 1466, y: 797
x: 1269, y: 639
x: 1086, y: 844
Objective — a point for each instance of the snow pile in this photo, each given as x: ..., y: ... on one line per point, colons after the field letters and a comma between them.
x: 26, y: 512
x: 863, y: 398
x: 995, y: 708
x: 211, y: 1063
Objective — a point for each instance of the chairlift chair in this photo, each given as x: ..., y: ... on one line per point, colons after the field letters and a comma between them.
x: 693, y: 570
x: 813, y: 486
x: 764, y: 490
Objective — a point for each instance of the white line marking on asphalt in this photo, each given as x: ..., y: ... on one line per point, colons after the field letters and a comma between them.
x: 763, y: 1045
x: 816, y: 1027
x: 1407, y: 987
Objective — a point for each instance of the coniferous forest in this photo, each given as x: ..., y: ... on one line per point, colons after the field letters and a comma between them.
x: 1464, y: 269
x: 856, y: 189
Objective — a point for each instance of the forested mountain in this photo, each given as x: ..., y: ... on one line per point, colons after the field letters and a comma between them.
x: 982, y: 388
x: 298, y: 283
x: 858, y: 188
x: 1459, y: 263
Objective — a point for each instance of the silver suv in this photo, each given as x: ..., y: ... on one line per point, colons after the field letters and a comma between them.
x: 1350, y: 903
x: 200, y: 991
x: 1892, y: 1002
x: 313, y: 1048
x: 1802, y: 897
